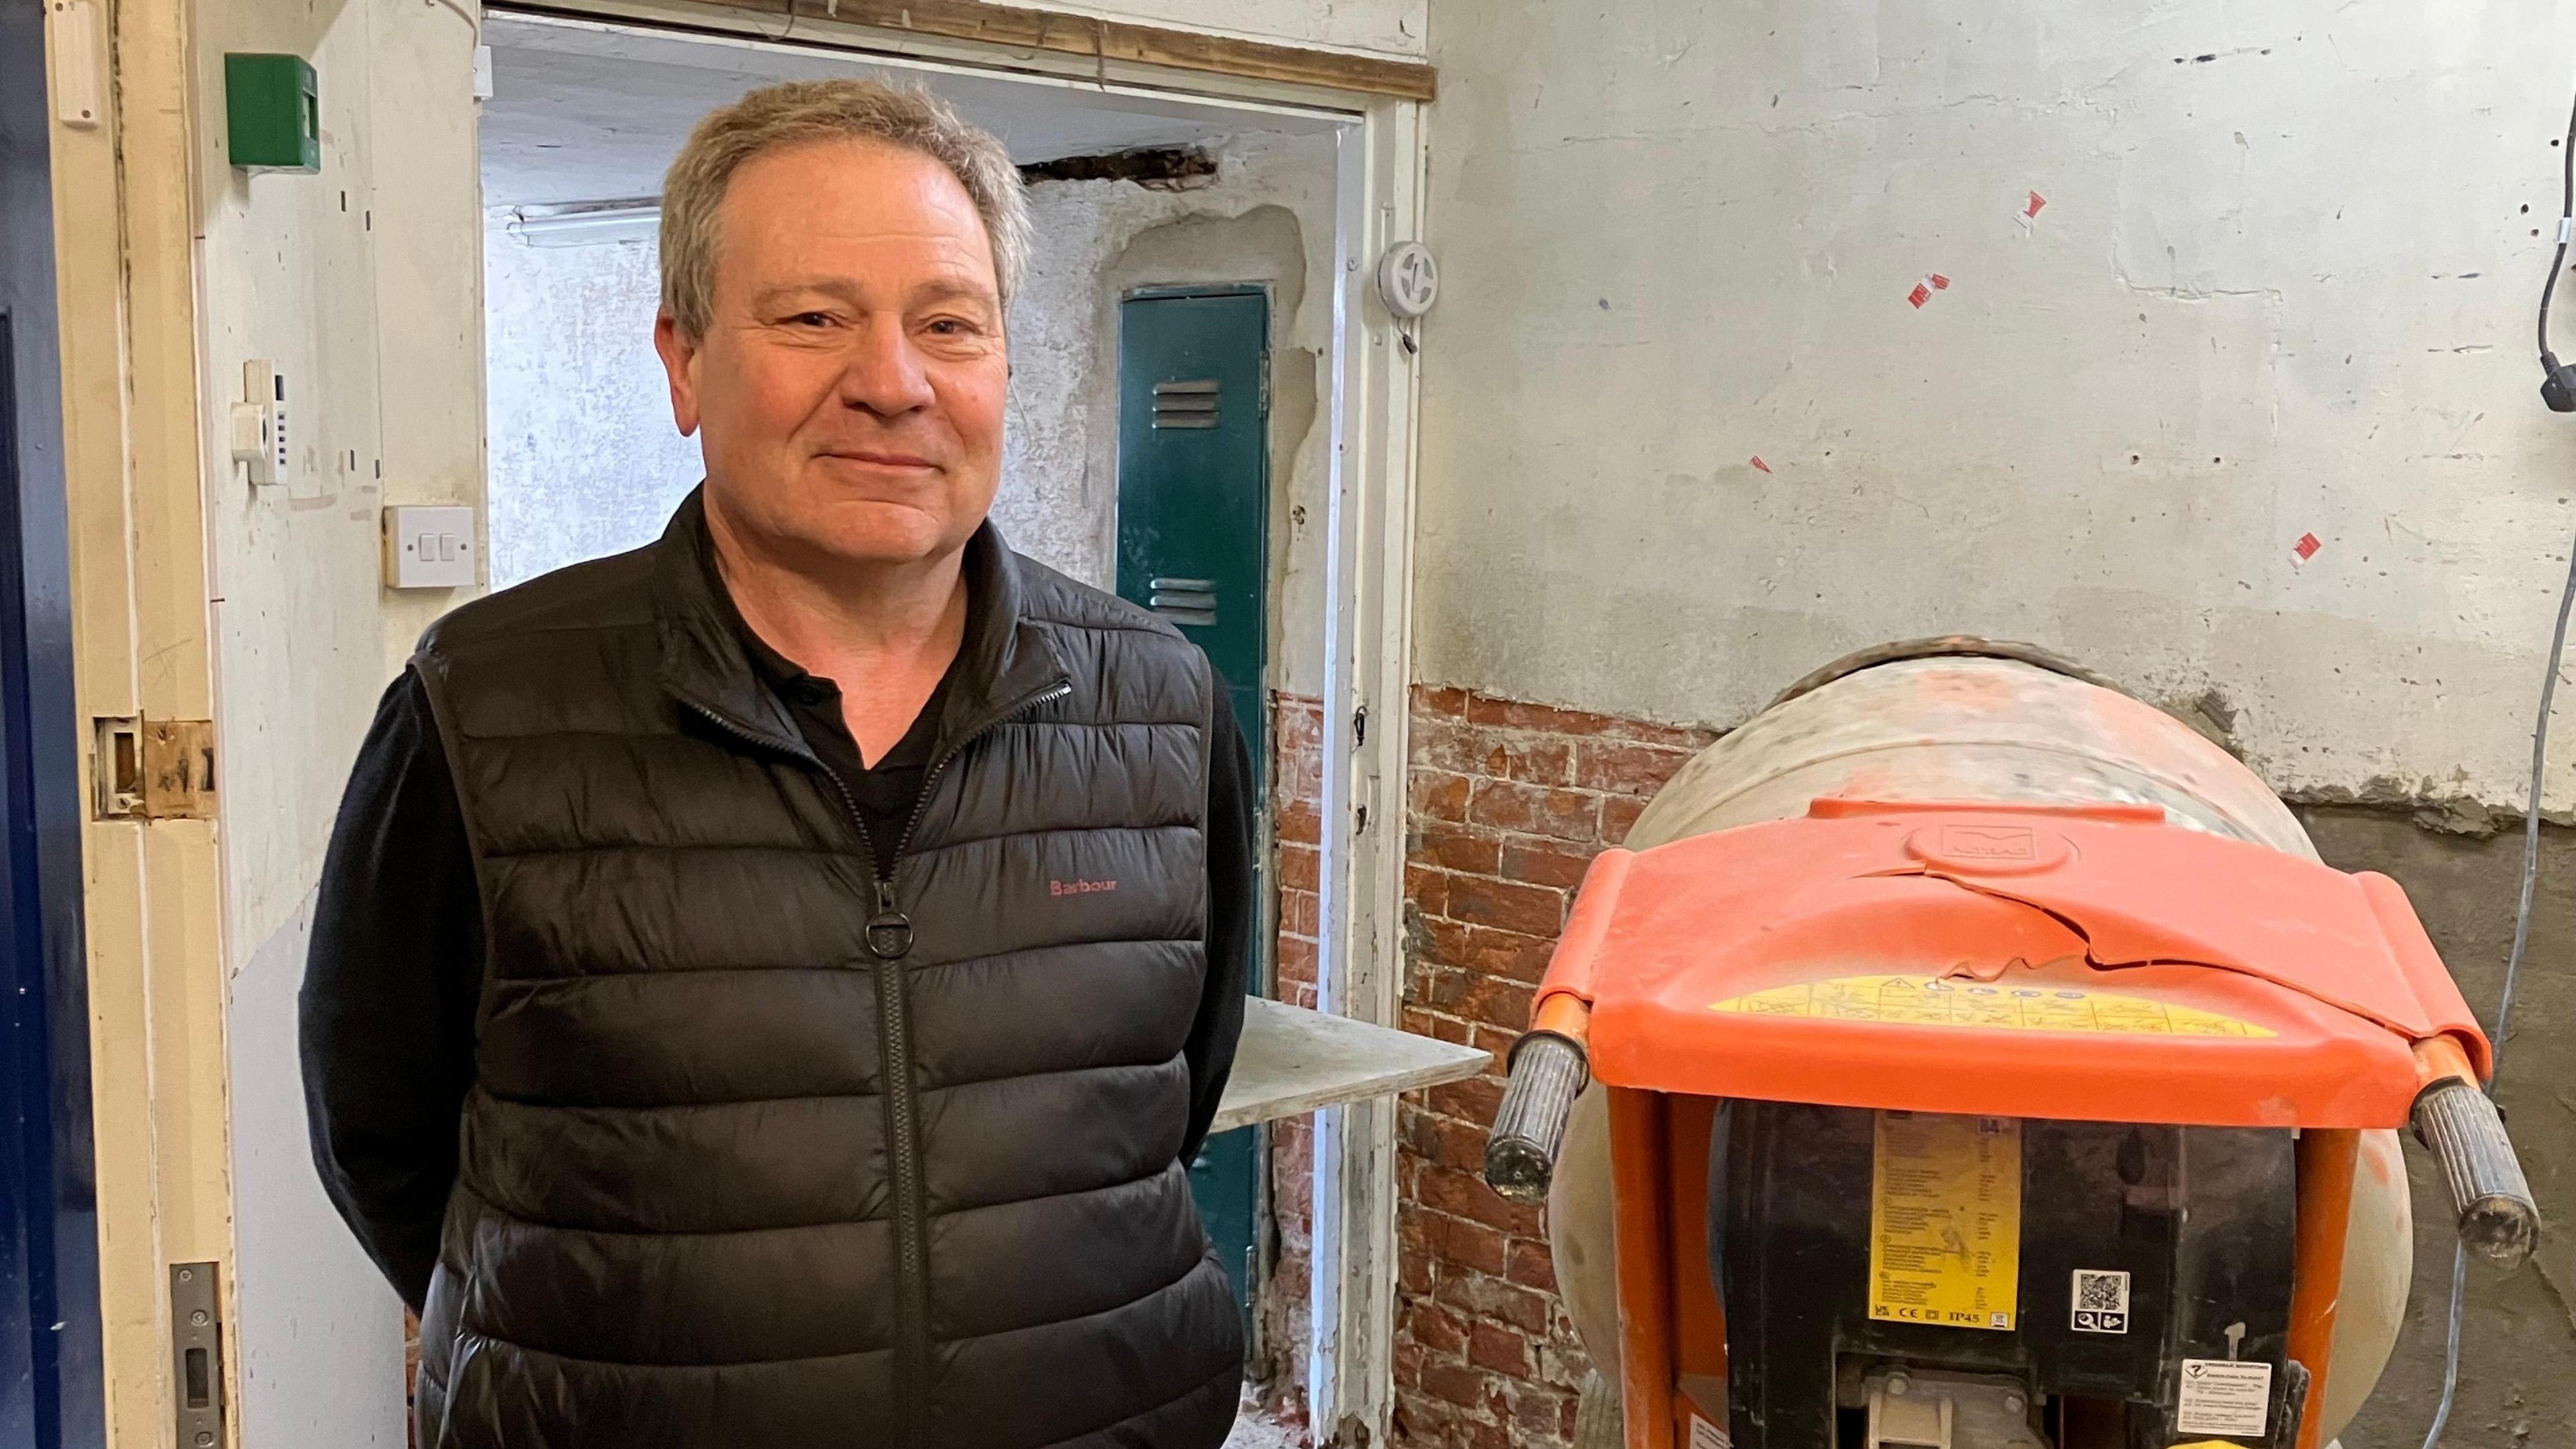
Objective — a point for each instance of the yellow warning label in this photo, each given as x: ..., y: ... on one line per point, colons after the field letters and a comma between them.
x: 1945, y: 1220
x: 1936, y: 1001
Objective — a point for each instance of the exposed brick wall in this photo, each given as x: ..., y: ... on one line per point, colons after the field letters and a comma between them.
x: 1296, y: 796
x: 1509, y: 803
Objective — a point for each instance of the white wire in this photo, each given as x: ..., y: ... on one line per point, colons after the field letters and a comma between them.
x: 2512, y: 975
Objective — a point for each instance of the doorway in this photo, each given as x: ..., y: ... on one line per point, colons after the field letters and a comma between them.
x: 1211, y: 234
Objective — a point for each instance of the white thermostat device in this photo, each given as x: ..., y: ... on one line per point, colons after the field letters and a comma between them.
x: 430, y: 548
x: 1408, y: 280
x: 259, y: 424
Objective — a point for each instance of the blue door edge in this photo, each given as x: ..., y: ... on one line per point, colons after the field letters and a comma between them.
x: 52, y: 1379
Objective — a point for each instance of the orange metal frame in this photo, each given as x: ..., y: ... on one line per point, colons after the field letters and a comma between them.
x: 2327, y: 1159
x: 1638, y: 1176
x: 1669, y: 1317
x: 2328, y: 975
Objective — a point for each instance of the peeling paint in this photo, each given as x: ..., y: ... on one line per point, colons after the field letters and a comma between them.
x: 2428, y: 805
x: 1267, y: 219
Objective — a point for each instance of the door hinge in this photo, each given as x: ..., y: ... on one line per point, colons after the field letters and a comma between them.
x: 197, y: 1354
x: 1265, y: 382
x: 153, y: 769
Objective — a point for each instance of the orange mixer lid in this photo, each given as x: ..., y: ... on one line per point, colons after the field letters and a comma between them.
x: 2085, y: 962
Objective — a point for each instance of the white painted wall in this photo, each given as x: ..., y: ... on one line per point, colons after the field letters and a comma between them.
x: 585, y: 458
x: 2282, y: 284
x: 362, y: 284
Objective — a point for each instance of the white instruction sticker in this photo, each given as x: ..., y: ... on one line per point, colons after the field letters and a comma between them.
x: 2221, y: 1396
x: 1705, y: 1435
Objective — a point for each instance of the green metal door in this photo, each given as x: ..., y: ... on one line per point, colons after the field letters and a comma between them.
x: 1193, y: 546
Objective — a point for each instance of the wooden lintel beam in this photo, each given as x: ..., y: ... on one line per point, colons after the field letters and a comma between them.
x: 1092, y: 38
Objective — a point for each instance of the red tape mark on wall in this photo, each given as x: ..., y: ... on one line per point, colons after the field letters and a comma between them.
x: 2307, y: 546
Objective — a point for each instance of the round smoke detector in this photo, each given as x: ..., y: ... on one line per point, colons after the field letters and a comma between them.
x: 1408, y: 280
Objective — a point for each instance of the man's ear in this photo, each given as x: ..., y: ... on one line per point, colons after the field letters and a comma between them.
x: 680, y: 362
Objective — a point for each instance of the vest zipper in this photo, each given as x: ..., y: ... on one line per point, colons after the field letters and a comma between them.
x: 889, y: 940
x: 911, y: 1211
x: 921, y: 802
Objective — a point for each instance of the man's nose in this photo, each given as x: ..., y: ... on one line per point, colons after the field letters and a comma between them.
x: 884, y: 372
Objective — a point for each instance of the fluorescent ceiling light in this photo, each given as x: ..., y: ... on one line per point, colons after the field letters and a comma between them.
x: 589, y: 225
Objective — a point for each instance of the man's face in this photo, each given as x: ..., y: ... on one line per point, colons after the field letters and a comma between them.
x: 851, y: 380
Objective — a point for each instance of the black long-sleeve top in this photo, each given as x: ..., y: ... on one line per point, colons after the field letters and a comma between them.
x: 395, y: 965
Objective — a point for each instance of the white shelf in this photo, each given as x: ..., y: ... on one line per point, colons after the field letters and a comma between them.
x: 1293, y: 1061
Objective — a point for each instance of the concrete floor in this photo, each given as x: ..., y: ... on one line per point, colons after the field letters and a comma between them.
x: 2516, y: 1384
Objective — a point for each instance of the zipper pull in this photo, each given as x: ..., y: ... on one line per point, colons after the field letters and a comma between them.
x: 889, y: 930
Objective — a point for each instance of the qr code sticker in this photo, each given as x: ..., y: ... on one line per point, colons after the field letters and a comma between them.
x: 2101, y: 1301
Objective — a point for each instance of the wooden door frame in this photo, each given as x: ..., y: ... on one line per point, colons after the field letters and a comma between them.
x: 126, y: 281
x: 1368, y: 613
x: 1369, y: 574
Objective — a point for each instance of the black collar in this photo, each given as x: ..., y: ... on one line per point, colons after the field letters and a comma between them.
x: 1004, y: 662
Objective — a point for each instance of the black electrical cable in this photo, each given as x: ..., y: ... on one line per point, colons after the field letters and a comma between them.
x: 2530, y: 814
x: 2559, y: 386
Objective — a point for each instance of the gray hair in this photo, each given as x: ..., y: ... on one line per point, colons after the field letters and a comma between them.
x: 798, y: 112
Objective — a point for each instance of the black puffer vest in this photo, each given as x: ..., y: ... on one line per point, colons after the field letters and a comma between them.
x: 775, y: 1145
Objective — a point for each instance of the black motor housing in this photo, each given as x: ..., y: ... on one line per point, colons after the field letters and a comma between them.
x: 2201, y: 1219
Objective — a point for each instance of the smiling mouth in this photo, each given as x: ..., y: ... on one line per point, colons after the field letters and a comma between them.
x: 884, y: 460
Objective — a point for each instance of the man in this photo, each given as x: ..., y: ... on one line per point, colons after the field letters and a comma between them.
x: 766, y: 986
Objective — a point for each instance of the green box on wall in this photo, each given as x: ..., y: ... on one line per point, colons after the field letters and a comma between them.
x: 272, y: 113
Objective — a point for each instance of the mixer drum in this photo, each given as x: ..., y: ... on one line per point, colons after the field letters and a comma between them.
x: 1959, y: 720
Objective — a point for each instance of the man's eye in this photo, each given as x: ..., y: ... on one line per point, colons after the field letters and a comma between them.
x: 812, y: 319
x: 951, y: 327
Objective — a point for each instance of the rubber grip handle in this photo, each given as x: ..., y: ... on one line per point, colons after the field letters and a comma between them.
x: 1548, y: 1072
x: 2498, y: 1220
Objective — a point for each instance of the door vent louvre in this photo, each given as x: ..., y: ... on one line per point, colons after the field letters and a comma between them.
x: 1183, y: 601
x: 1185, y: 404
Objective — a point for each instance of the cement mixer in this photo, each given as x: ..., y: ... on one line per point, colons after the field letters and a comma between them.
x: 1966, y: 1055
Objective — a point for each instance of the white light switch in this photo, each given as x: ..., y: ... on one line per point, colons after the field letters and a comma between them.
x: 430, y: 548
